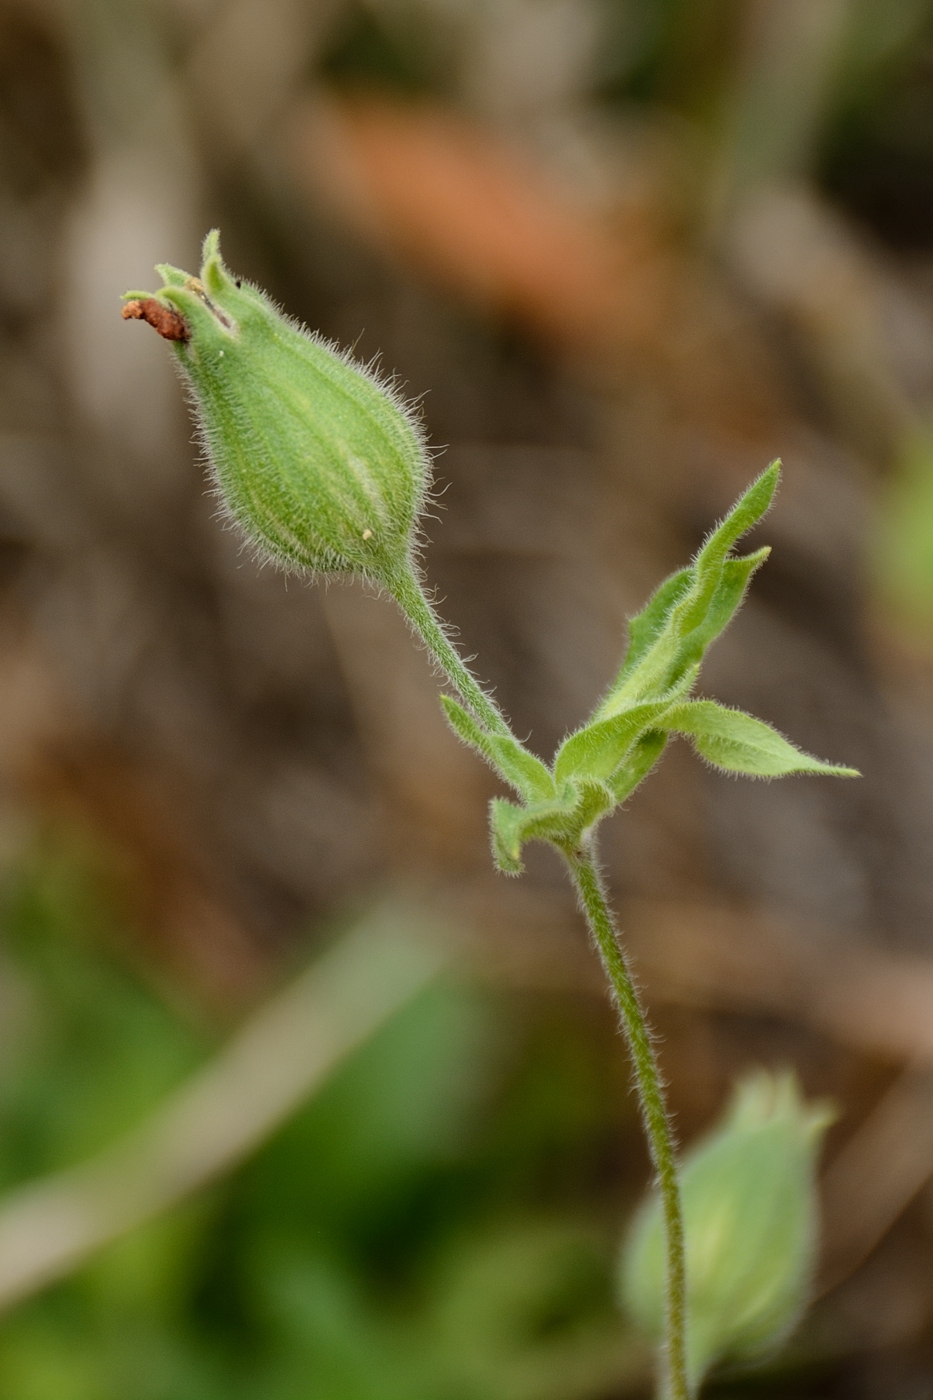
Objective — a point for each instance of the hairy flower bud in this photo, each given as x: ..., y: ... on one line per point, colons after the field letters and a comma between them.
x: 321, y: 464
x: 749, y: 1203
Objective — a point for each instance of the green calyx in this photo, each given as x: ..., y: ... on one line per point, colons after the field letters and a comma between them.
x: 749, y: 1203
x: 321, y: 465
x: 601, y: 764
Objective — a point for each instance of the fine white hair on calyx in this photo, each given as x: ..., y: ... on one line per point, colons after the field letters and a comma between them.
x: 387, y: 385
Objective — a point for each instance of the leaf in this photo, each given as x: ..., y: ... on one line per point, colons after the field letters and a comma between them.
x: 725, y: 602
x: 506, y: 822
x: 560, y: 822
x: 691, y: 608
x: 521, y: 769
x: 597, y: 750
x: 595, y: 800
x: 747, y: 511
x: 172, y: 276
x: 645, y: 628
x: 642, y: 759
x: 512, y: 826
x: 738, y: 743
x: 751, y: 506
x: 468, y: 729
x: 729, y: 594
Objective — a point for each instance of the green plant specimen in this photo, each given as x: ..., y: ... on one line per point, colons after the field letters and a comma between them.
x: 325, y: 469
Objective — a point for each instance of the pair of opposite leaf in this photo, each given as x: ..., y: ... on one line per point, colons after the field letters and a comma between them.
x: 603, y: 762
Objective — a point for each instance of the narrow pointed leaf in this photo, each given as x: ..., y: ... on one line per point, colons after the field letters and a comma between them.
x: 645, y: 628
x: 738, y: 743
x: 747, y: 511
x: 729, y: 594
x: 691, y: 608
x: 676, y: 652
x: 466, y: 727
x: 724, y: 603
x: 172, y: 276
x: 521, y: 769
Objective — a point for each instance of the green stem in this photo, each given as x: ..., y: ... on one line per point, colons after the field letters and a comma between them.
x: 411, y: 598
x: 586, y: 878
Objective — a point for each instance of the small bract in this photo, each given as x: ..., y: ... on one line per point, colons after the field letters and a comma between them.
x: 323, y: 466
x: 749, y: 1203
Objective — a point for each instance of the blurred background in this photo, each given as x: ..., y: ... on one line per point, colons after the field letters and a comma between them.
x: 623, y: 252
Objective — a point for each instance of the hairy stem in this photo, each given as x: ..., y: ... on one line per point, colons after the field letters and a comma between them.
x: 411, y: 598
x: 586, y: 878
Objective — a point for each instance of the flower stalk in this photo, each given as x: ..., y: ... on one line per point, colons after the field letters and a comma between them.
x: 584, y: 872
x: 409, y: 593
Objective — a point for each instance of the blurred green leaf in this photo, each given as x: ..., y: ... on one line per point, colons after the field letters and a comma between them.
x: 904, y: 548
x: 388, y: 1244
x: 402, y: 1106
x: 96, y: 1048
